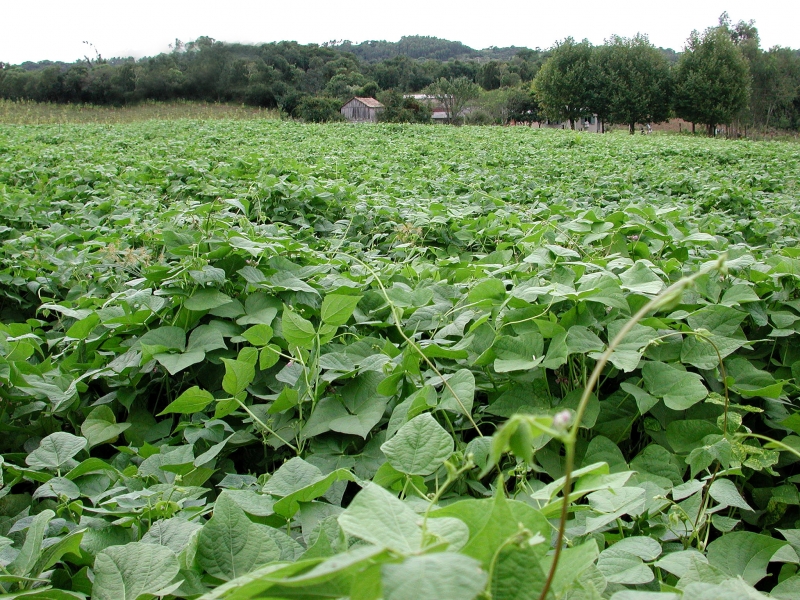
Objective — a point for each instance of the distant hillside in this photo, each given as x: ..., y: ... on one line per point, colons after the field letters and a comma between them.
x: 422, y: 47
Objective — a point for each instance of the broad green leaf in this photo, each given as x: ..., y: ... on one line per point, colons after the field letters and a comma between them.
x: 260, y: 309
x: 174, y: 533
x: 739, y: 293
x: 679, y: 389
x: 644, y: 401
x: 686, y: 435
x: 238, y: 375
x: 679, y: 562
x: 101, y: 426
x: 516, y: 564
x: 572, y: 563
x: 641, y: 595
x: 56, y: 451
x: 269, y: 356
x: 364, y: 407
x: 580, y: 340
x: 724, y: 491
x: 175, y: 363
x: 206, y: 299
x: 191, y: 401
x: 745, y: 554
x: 612, y: 504
x: 719, y: 320
x: 460, y: 394
x: 444, y: 576
x: 337, y: 308
x: 454, y: 531
x: 659, y: 461
x: 284, y: 280
x: 258, y: 335
x: 704, y: 352
x: 327, y: 411
x: 54, y: 552
x: 292, y: 475
x: 420, y: 446
x: 297, y: 330
x: 290, y: 504
x: 557, y: 351
x: 750, y: 382
x: 378, y: 517
x: 628, y: 353
x: 29, y: 554
x: 287, y: 399
x: 57, y: 487
x: 618, y: 566
x: 518, y: 353
x: 493, y: 521
x: 230, y: 544
x: 644, y: 547
x: 80, y: 330
x: 488, y: 289
x: 788, y: 589
x: 133, y: 570
x: 639, y: 278
x: 165, y: 338
x: 205, y: 338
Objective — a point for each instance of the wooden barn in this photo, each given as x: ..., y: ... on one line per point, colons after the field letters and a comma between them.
x: 362, y: 110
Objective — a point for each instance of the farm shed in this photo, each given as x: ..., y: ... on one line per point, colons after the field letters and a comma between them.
x: 362, y: 110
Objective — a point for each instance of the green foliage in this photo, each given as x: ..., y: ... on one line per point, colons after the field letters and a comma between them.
x: 712, y: 79
x: 399, y: 109
x: 453, y: 94
x: 320, y: 109
x: 564, y: 84
x: 356, y: 367
x: 632, y: 82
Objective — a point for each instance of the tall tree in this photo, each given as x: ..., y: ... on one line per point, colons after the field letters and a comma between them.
x: 563, y: 85
x: 454, y: 94
x: 631, y: 82
x: 712, y: 79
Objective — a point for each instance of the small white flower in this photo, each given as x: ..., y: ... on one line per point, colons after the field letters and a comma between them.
x: 561, y: 419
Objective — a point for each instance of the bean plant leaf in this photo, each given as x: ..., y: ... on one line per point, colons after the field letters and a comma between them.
x: 445, y: 576
x: 420, y: 446
x: 724, y: 491
x: 744, y: 553
x: 101, y: 426
x: 133, y: 570
x: 378, y: 517
x: 191, y: 401
x: 459, y: 393
x: 337, y: 309
x: 230, y: 544
x: 492, y: 522
x: 297, y: 330
x: 206, y: 299
x: 679, y: 389
x: 238, y: 375
x: 56, y: 451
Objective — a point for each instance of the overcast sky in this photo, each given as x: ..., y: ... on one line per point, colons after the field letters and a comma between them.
x: 55, y: 29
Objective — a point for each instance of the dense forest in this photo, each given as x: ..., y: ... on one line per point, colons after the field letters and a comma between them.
x: 309, y: 81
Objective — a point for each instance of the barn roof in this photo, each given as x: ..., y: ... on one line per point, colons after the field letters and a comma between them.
x: 370, y: 102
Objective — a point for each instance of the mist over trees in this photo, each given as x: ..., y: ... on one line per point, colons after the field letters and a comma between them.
x: 722, y: 76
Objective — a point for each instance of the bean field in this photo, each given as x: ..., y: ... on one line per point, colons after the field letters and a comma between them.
x: 262, y: 359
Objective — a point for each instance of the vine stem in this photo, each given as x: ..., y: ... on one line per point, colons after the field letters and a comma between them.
x: 413, y: 344
x: 264, y: 426
x: 571, y: 437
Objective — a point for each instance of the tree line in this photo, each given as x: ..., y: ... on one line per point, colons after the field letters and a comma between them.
x: 723, y: 77
x: 623, y: 81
